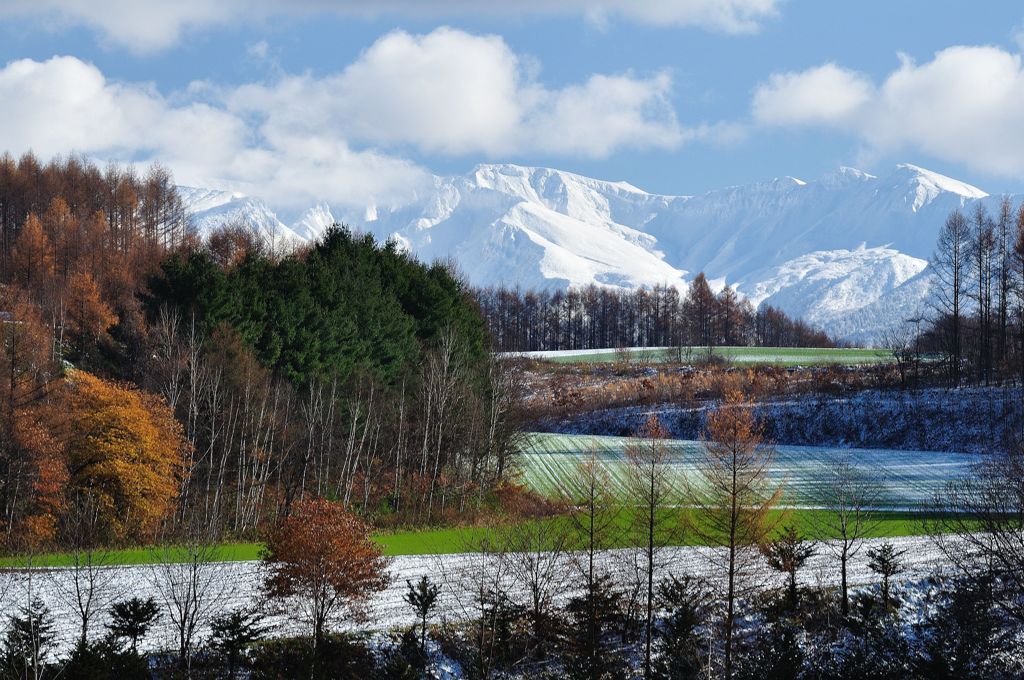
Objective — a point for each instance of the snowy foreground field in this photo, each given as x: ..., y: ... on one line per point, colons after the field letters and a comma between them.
x: 233, y: 585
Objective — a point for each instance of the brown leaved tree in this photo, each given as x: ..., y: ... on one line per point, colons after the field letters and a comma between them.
x: 734, y: 498
x: 321, y: 557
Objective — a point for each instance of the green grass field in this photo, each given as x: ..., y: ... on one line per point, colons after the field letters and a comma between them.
x: 740, y: 356
x: 458, y: 540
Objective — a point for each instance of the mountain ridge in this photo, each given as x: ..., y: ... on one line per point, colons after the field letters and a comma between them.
x: 826, y: 250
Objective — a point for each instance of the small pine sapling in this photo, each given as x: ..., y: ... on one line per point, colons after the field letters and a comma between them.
x: 887, y: 562
x: 422, y: 597
x: 232, y: 633
x: 787, y: 554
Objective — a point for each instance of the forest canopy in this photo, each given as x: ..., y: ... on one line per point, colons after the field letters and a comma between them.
x: 348, y: 305
x: 250, y: 379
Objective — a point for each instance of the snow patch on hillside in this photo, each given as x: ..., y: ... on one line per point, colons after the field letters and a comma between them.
x: 825, y: 287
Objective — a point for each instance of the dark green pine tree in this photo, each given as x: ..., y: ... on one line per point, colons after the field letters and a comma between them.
x: 29, y: 641
x: 422, y: 597
x: 131, y: 619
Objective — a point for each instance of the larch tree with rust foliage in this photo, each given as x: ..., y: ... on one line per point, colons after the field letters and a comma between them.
x: 126, y: 449
x: 32, y: 471
x: 733, y: 501
x: 321, y: 557
x: 89, y: 315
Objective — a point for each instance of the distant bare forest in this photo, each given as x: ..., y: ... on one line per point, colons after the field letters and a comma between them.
x: 596, y: 317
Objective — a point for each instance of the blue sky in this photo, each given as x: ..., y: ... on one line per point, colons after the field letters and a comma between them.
x: 316, y: 99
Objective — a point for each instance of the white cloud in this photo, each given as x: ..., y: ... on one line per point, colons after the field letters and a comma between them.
x: 148, y: 25
x: 341, y: 137
x: 457, y: 93
x: 826, y: 95
x: 603, y: 114
x: 965, y: 105
x: 64, y: 105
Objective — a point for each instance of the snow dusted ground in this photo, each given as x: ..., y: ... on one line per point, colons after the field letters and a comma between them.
x: 968, y: 420
x: 236, y: 584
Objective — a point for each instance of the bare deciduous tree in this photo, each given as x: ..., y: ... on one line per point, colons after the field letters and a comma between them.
x: 592, y: 521
x: 191, y: 585
x: 951, y: 263
x: 849, y: 497
x: 979, y: 527
x: 650, y: 494
x: 87, y: 585
x: 537, y: 558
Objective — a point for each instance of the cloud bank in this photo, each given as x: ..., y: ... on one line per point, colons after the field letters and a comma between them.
x: 150, y: 25
x: 965, y: 106
x: 343, y: 137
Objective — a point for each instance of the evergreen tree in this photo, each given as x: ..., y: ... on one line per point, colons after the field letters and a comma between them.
x: 885, y: 561
x: 422, y: 598
x: 592, y: 655
x: 788, y: 553
x: 29, y: 640
x: 232, y: 634
x: 132, y: 618
x: 679, y: 653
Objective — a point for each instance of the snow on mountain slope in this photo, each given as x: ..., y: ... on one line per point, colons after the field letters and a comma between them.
x: 211, y: 208
x: 740, y: 230
x: 533, y: 227
x: 312, y: 224
x: 905, y: 305
x: 828, y: 285
x: 847, y: 251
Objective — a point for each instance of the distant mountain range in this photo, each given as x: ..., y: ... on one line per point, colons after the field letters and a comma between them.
x: 847, y: 251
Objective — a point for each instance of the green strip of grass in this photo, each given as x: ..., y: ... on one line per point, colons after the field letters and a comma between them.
x: 455, y: 540
x: 887, y: 524
x: 226, y: 552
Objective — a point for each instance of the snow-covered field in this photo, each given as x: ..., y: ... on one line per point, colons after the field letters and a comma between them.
x: 789, y: 356
x: 904, y: 479
x: 569, y: 353
x: 237, y: 584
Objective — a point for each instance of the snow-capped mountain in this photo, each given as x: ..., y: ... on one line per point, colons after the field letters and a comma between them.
x: 847, y: 251
x: 211, y: 208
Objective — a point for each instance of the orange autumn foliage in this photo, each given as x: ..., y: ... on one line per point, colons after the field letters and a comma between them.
x: 89, y: 315
x: 322, y: 555
x: 31, y: 456
x: 126, y: 449
x: 46, y: 475
x: 32, y: 261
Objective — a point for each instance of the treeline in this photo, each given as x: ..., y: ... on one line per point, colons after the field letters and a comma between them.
x: 348, y: 371
x: 242, y: 379
x: 81, y: 242
x: 595, y: 317
x: 977, y: 297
